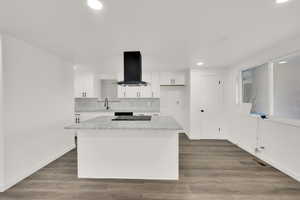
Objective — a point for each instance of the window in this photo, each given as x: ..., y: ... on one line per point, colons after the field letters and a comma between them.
x: 287, y: 87
x: 256, y: 89
x: 274, y: 88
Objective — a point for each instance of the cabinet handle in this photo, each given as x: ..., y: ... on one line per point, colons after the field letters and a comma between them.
x: 152, y: 94
x: 172, y: 81
x: 124, y: 94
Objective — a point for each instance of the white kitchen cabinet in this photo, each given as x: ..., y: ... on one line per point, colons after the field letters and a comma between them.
x: 121, y: 92
x: 132, y: 91
x: 127, y: 91
x: 84, y: 83
x: 172, y: 78
x: 121, y: 89
x: 146, y: 91
x: 155, y: 85
x: 152, y: 90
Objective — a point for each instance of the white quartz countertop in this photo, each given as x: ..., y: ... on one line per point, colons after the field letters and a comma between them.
x: 105, y: 122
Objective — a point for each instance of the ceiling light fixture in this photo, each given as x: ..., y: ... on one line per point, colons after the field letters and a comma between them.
x: 283, y: 62
x: 95, y: 4
x: 281, y: 1
x: 200, y: 63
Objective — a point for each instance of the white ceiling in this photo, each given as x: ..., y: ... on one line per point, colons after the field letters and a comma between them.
x: 172, y: 34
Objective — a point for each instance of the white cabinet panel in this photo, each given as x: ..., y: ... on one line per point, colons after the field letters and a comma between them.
x: 165, y: 78
x: 121, y: 89
x: 146, y: 91
x: 132, y: 92
x: 84, y: 83
x: 121, y: 92
x: 172, y: 78
x: 179, y: 78
x: 152, y: 90
x: 155, y: 85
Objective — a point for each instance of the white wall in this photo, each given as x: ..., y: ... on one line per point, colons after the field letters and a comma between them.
x: 281, y: 140
x: 287, y: 92
x: 173, y: 102
x: 1, y: 123
x: 38, y: 92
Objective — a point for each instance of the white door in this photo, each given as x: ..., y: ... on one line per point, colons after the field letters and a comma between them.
x: 207, y: 106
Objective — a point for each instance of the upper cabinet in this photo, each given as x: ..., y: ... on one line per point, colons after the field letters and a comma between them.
x: 88, y: 84
x: 172, y: 78
x: 146, y: 91
x: 84, y: 85
x: 155, y: 85
x: 152, y: 90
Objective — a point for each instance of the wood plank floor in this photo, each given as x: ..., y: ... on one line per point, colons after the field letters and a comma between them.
x: 209, y: 169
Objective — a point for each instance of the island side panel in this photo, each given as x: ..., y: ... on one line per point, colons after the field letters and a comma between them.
x: 128, y: 154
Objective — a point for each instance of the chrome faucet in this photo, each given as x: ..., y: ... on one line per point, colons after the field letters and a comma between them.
x: 106, y: 103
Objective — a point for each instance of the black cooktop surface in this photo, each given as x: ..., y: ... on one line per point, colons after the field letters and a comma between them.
x: 133, y: 118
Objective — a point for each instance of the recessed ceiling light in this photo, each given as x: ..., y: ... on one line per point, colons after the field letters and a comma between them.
x: 281, y: 1
x: 95, y: 4
x: 200, y: 63
x: 283, y: 62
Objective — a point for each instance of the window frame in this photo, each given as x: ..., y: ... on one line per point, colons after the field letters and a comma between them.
x: 271, y: 64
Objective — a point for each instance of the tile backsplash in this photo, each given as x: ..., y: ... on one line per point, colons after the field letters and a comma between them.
x: 118, y: 105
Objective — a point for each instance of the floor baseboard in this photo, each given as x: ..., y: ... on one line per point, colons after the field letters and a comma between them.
x: 270, y: 162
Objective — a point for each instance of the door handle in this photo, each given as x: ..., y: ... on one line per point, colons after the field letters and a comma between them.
x: 202, y: 110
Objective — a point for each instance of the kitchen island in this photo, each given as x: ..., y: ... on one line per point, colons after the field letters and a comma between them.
x: 110, y: 149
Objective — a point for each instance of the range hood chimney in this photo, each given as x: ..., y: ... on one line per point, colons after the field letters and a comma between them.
x: 132, y: 69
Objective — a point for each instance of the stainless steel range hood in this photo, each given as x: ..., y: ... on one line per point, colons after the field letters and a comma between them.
x: 132, y: 69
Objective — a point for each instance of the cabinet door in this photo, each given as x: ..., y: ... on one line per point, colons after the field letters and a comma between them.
x: 89, y: 85
x: 155, y: 85
x: 132, y: 92
x: 179, y: 78
x: 172, y: 78
x: 121, y: 92
x: 84, y: 83
x: 146, y: 91
x: 121, y: 89
x: 78, y: 86
x: 165, y: 78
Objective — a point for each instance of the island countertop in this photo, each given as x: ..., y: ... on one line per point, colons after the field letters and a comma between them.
x: 105, y: 122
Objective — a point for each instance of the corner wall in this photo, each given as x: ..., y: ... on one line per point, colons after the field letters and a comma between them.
x: 280, y: 140
x: 37, y: 103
